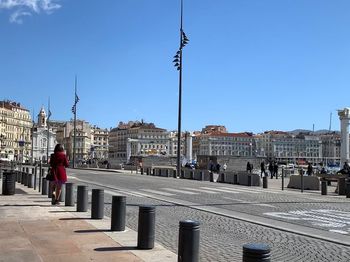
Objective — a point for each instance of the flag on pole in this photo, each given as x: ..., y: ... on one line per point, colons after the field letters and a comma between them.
x: 76, y: 98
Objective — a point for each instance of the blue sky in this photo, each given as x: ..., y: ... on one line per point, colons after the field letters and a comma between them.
x: 251, y: 65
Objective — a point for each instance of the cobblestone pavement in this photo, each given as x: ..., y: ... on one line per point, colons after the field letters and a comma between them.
x: 307, y: 209
x: 222, y: 237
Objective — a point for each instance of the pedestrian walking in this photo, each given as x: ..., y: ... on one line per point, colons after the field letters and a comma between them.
x: 224, y: 167
x: 275, y: 170
x: 271, y: 169
x: 249, y: 167
x: 218, y: 166
x: 58, y: 164
x: 309, y: 169
x: 211, y: 166
x: 262, y: 169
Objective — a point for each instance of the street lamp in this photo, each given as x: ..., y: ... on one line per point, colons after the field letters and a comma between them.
x: 178, y: 64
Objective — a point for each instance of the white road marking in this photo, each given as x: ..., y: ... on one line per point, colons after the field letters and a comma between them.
x: 333, y: 220
x: 264, y: 205
x: 220, y: 190
x: 250, y: 202
x: 201, y: 190
x: 158, y: 192
x: 248, y: 190
x: 179, y: 191
x: 339, y: 231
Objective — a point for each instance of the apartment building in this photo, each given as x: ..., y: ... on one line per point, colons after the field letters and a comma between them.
x: 15, y: 131
x: 137, y: 139
x: 216, y: 141
x: 99, y: 147
x: 44, y: 138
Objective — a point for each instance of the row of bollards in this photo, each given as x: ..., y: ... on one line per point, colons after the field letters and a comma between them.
x: 189, y: 230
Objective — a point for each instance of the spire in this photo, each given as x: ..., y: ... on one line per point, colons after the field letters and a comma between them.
x: 42, y: 118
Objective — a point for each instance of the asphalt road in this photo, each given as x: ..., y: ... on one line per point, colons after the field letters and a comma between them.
x: 298, y: 227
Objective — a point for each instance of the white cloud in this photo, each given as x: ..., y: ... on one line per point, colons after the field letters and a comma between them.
x: 16, y: 17
x: 22, y: 8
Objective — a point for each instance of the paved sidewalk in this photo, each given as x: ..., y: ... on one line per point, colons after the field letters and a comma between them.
x: 31, y: 229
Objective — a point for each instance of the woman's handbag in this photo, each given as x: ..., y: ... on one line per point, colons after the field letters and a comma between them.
x: 50, y: 175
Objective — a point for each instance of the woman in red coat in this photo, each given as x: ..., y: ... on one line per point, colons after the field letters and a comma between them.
x: 58, y: 163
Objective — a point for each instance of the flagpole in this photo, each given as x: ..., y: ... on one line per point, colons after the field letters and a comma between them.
x: 48, y: 132
x: 75, y: 120
x: 32, y: 149
x: 178, y: 166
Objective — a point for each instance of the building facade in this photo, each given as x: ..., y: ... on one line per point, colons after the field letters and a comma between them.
x: 137, y: 139
x: 83, y: 139
x: 216, y: 141
x: 15, y: 132
x: 99, y: 147
x: 44, y: 138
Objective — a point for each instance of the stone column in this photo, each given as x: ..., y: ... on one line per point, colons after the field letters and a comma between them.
x: 128, y: 150
x: 189, y: 147
x: 344, y: 116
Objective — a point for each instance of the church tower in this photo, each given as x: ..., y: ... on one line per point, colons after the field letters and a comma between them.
x: 42, y: 118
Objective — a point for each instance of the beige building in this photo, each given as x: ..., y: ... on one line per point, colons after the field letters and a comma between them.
x: 15, y: 132
x: 137, y: 139
x: 218, y: 142
x: 99, y: 147
x: 83, y: 141
x: 43, y: 138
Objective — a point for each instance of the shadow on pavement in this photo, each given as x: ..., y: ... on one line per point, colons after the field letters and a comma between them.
x: 74, y: 218
x: 107, y: 249
x: 25, y: 205
x: 92, y: 230
x: 60, y: 211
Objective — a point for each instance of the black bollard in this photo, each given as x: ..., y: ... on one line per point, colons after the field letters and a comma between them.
x: 35, y: 175
x: 22, y: 177
x: 301, y: 180
x: 50, y: 191
x: 256, y: 252
x: 19, y: 177
x: 222, y: 178
x: 249, y: 180
x: 30, y: 181
x: 82, y: 199
x: 118, y: 213
x: 25, y: 182
x: 40, y: 176
x: 174, y: 174
x: 211, y: 177
x: 146, y: 227
x: 188, y: 248
x: 9, y: 183
x: 97, y: 204
x: 202, y: 176
x: 348, y: 189
x: 69, y: 199
x: 235, y: 179
x: 45, y: 186
x: 265, y: 182
x: 63, y: 193
x: 323, y: 187
x: 182, y: 172
x: 282, y: 178
x: 141, y: 170
x: 341, y: 187
x: 192, y: 174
